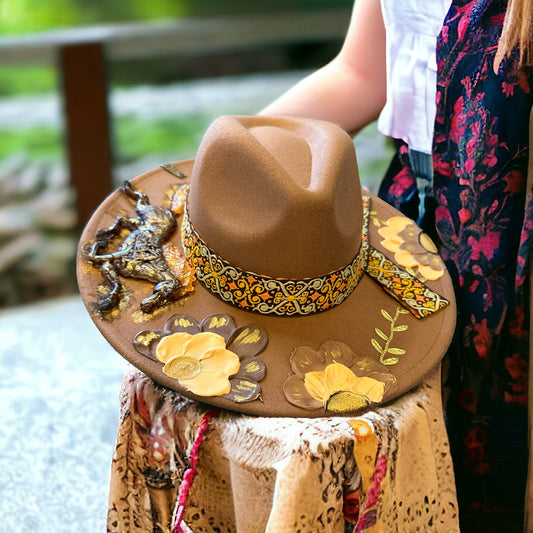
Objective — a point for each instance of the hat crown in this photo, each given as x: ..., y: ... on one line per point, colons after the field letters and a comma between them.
x: 276, y: 196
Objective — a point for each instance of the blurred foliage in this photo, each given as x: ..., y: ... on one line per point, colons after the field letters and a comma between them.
x: 28, y: 16
x: 38, y: 142
x: 23, y: 79
x: 135, y: 139
x: 132, y: 137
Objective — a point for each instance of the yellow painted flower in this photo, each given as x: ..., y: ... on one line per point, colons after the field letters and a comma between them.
x: 335, y: 378
x: 339, y: 389
x: 212, y: 357
x: 412, y: 247
x: 201, y: 362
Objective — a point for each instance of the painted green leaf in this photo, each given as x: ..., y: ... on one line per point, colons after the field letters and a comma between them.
x: 376, y: 345
x: 404, y: 327
x: 381, y: 334
x: 396, y: 351
x: 386, y: 315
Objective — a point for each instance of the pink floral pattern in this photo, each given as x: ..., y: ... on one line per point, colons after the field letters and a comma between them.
x: 480, y: 154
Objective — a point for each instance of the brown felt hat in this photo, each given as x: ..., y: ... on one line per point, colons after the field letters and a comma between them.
x: 261, y: 278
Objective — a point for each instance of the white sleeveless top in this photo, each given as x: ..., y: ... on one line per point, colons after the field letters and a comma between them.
x: 411, y: 27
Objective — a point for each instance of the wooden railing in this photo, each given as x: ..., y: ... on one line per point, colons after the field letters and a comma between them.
x: 83, y: 56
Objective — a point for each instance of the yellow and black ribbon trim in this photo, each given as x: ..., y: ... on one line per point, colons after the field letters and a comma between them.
x: 273, y: 296
x: 288, y: 297
x: 405, y: 288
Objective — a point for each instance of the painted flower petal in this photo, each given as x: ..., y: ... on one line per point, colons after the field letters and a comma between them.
x: 391, y: 245
x: 434, y: 261
x: 371, y: 388
x: 297, y: 394
x: 387, y: 381
x: 208, y: 383
x: 305, y: 359
x: 220, y: 359
x: 172, y: 346
x: 315, y: 385
x: 197, y: 345
x: 389, y: 234
x: 393, y: 227
x: 243, y: 390
x: 185, y: 323
x: 146, y: 341
x: 221, y: 324
x: 374, y: 369
x: 430, y: 273
x: 248, y: 341
x: 338, y: 352
x: 338, y: 377
x: 413, y: 248
x: 410, y: 232
x: 406, y: 259
x: 252, y: 368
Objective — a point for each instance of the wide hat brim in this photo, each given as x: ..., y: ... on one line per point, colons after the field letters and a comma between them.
x: 359, y: 322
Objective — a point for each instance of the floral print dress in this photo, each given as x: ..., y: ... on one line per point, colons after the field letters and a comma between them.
x: 476, y: 215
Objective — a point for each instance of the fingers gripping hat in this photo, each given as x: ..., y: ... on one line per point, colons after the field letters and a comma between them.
x: 259, y: 277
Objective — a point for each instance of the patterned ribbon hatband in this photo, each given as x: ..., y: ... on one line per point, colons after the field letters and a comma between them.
x: 273, y: 296
x: 407, y: 289
x: 288, y: 297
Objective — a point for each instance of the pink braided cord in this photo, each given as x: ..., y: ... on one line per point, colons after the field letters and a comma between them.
x: 188, y: 476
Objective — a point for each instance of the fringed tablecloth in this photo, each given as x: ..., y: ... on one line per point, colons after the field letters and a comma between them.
x: 385, y: 471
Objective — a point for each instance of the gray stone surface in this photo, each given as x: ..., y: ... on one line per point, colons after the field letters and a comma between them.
x: 59, y: 397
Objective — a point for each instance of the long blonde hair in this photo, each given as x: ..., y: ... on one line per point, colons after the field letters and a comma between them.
x: 517, y: 30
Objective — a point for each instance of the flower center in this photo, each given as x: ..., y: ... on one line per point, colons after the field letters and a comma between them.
x: 346, y: 402
x: 182, y: 367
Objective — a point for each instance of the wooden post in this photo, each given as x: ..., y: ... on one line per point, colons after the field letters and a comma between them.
x: 88, y: 137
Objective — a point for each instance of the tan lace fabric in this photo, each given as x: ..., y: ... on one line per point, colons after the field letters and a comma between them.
x: 388, y: 470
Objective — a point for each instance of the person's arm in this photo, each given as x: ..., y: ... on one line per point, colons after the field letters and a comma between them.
x: 351, y: 89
